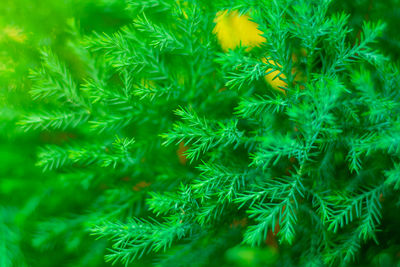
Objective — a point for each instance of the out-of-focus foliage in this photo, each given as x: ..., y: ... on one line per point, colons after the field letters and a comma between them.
x: 95, y: 94
x: 36, y: 225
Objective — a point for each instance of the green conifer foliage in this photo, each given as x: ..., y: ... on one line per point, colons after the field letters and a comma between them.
x: 180, y: 153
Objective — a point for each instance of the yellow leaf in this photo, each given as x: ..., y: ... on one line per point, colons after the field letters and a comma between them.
x: 275, y: 81
x: 233, y: 29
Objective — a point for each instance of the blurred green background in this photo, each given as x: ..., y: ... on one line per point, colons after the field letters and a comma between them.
x: 31, y: 200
